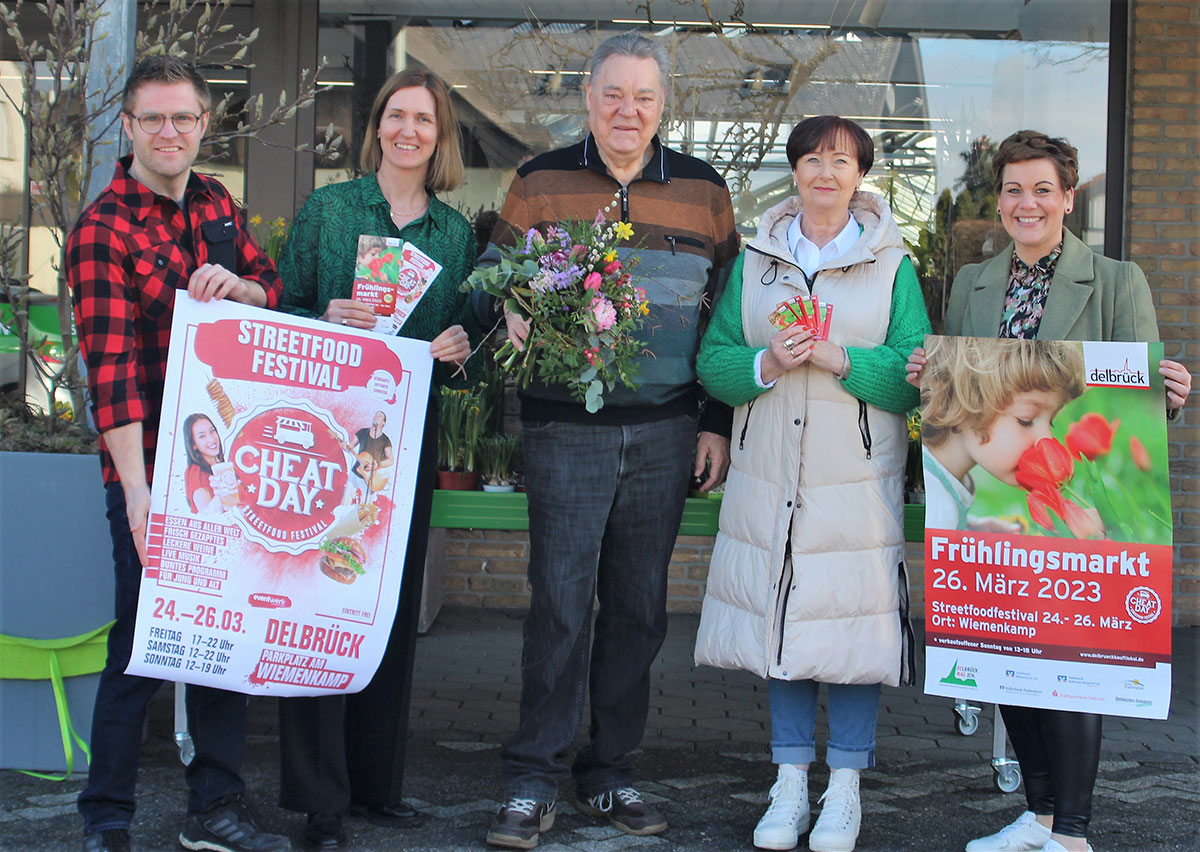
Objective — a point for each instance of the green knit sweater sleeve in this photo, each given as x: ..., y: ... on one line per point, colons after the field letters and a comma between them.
x: 877, y: 374
x: 726, y: 363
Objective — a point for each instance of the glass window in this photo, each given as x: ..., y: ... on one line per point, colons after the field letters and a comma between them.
x: 937, y: 84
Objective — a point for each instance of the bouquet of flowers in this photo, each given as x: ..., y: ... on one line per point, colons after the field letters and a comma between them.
x: 581, y: 303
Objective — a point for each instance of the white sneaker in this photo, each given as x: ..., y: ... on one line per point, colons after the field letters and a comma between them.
x: 1053, y: 845
x: 1025, y: 834
x: 787, y: 816
x: 837, y: 826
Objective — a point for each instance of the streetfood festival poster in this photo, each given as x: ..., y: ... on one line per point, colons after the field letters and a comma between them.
x: 1054, y: 592
x: 281, y: 501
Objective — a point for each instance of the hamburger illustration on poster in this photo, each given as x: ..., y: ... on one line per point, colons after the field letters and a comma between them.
x: 284, y: 477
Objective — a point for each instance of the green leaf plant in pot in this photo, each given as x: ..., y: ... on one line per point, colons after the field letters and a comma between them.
x: 461, y: 420
x: 500, y: 455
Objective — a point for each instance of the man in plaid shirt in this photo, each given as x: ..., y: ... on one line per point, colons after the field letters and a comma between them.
x: 157, y: 229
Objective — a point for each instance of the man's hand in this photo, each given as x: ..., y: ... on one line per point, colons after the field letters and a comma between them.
x: 213, y: 281
x: 518, y: 329
x: 712, y: 451
x: 137, y: 509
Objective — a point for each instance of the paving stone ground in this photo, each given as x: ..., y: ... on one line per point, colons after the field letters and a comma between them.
x: 703, y: 761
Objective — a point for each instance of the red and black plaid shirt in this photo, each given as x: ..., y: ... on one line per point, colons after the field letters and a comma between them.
x: 126, y: 256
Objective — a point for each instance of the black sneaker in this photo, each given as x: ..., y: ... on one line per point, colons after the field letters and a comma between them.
x: 625, y: 809
x: 519, y: 822
x: 229, y: 828
x: 108, y: 840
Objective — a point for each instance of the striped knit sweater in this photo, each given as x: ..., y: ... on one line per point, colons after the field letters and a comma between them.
x: 683, y: 231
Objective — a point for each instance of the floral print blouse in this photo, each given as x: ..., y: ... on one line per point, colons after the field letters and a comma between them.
x: 1025, y: 300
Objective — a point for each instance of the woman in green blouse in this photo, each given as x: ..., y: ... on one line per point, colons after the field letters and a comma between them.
x: 341, y: 753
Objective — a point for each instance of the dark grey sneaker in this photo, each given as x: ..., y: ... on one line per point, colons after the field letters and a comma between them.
x: 229, y: 828
x: 108, y: 840
x: 625, y: 809
x: 519, y: 822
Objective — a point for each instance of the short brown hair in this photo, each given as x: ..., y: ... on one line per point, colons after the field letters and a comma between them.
x: 446, y: 169
x: 1027, y: 145
x: 164, y: 69
x: 968, y: 381
x: 823, y: 131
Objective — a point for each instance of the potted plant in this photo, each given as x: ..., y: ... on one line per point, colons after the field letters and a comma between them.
x: 500, y: 454
x: 461, y: 421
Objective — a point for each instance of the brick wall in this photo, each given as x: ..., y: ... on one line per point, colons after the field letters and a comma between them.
x: 487, y: 568
x: 1163, y: 234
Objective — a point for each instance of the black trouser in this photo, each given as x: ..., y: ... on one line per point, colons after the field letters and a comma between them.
x: 339, y: 749
x: 216, y: 718
x: 1059, y: 753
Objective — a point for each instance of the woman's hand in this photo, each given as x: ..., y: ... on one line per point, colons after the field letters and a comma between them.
x: 1178, y: 382
x: 451, y: 346
x: 912, y: 370
x: 787, y: 350
x: 349, y: 312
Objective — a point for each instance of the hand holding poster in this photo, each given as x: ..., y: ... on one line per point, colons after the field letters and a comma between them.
x: 1048, y: 525
x: 281, y: 501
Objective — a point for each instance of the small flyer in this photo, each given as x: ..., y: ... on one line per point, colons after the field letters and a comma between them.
x: 390, y: 278
x: 1048, y: 526
x: 281, y: 501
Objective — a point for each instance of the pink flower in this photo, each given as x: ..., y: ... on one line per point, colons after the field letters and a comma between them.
x: 593, y: 281
x: 613, y: 268
x: 603, y: 312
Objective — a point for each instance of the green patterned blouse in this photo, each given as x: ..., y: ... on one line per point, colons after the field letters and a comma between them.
x: 317, y: 262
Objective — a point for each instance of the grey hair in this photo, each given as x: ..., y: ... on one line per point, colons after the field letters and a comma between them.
x: 637, y: 46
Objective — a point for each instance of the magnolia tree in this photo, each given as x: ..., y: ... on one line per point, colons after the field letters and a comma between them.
x: 69, y: 107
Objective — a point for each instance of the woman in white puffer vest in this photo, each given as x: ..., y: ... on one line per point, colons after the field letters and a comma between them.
x: 807, y: 583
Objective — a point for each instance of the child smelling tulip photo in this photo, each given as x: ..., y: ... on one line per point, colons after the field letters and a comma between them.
x: 986, y: 402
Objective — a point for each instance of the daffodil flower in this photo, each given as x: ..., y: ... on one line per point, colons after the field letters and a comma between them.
x: 624, y: 230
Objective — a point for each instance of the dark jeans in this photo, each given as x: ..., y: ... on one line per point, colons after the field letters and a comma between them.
x: 338, y: 749
x: 1059, y: 753
x: 216, y: 718
x: 604, y: 509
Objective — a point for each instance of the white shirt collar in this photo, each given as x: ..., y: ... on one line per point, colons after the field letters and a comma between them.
x: 810, y: 258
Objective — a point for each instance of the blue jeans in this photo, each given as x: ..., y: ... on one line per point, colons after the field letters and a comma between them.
x: 604, y: 509
x: 216, y: 718
x: 853, y: 710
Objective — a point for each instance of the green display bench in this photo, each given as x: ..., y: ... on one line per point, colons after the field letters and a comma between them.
x: 484, y: 511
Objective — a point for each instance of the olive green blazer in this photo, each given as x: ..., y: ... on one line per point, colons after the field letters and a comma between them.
x: 1091, y: 298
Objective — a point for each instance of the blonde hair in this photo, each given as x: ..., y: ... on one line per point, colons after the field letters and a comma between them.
x: 968, y: 381
x: 446, y: 168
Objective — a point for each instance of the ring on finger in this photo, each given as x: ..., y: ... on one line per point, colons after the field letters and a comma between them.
x: 788, y: 344
x: 343, y: 320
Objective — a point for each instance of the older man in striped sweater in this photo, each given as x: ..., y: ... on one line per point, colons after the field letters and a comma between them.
x: 606, y: 489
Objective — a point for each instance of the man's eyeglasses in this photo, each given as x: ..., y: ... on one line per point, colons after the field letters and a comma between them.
x: 152, y: 122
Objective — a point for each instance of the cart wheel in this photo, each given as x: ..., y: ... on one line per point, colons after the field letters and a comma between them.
x: 1007, y: 778
x: 967, y: 721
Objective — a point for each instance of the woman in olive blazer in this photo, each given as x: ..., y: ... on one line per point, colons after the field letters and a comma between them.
x: 1091, y: 297
x: 1047, y: 284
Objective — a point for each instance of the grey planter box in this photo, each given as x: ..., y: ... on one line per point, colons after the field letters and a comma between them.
x: 56, y: 580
